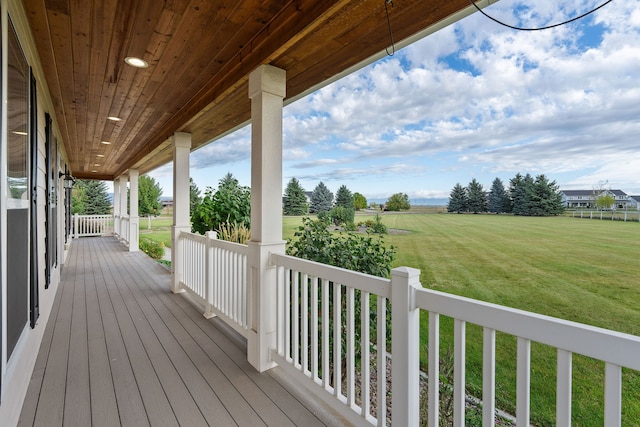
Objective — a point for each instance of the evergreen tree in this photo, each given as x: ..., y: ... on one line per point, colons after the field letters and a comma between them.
x: 149, y: 193
x: 344, y: 197
x: 476, y: 200
x: 295, y: 201
x: 321, y: 199
x: 545, y: 199
x: 194, y: 195
x: 398, y: 202
x: 457, y: 199
x: 359, y: 201
x: 344, y: 211
x: 228, y: 181
x: 520, y: 189
x: 92, y: 197
x: 498, y: 197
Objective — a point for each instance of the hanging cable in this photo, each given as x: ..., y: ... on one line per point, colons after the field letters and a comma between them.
x: 393, y: 46
x: 537, y: 28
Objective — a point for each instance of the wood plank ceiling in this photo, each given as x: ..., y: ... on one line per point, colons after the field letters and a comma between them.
x: 200, y: 53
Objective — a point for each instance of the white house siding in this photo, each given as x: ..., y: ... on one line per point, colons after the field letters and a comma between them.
x: 16, y: 371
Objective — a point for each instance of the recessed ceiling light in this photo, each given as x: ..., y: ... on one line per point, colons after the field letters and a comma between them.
x: 99, y: 155
x: 96, y: 164
x: 136, y: 62
x: 114, y: 118
x: 94, y: 171
x: 17, y: 132
x: 105, y: 142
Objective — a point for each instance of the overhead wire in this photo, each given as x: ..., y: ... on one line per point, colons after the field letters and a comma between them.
x: 513, y: 27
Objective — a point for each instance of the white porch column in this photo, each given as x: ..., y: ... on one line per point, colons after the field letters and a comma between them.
x: 134, y: 220
x: 123, y: 203
x: 267, y: 87
x: 116, y: 207
x: 181, y: 142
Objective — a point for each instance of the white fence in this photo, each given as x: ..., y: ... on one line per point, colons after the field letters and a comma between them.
x: 214, y: 272
x: 92, y: 225
x: 317, y: 314
x: 618, y: 215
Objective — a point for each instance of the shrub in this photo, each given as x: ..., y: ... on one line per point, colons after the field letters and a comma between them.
x: 342, y: 216
x: 231, y: 203
x: 152, y: 248
x: 351, y: 251
x: 376, y: 226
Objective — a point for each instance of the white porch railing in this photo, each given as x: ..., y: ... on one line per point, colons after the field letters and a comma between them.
x: 124, y: 228
x: 214, y: 272
x: 92, y: 225
x: 310, y: 331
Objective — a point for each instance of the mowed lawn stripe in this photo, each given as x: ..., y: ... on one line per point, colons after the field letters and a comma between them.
x: 580, y: 270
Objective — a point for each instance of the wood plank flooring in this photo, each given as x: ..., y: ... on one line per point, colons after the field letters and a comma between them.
x: 121, y: 350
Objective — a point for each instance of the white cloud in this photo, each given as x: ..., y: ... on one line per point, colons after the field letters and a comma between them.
x: 502, y: 100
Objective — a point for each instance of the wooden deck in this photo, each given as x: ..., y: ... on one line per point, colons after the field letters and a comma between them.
x: 120, y: 349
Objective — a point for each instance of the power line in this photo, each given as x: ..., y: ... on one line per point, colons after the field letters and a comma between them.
x: 513, y: 27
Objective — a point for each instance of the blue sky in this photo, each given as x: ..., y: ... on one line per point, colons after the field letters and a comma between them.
x: 474, y: 100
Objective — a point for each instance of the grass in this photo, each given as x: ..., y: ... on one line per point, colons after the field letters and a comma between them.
x: 585, y: 271
x: 580, y: 270
x: 160, y: 230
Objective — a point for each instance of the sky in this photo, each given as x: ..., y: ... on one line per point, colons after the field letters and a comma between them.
x: 474, y: 100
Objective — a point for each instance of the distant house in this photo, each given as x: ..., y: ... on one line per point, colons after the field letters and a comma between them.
x: 587, y: 198
x: 634, y: 202
x: 166, y: 202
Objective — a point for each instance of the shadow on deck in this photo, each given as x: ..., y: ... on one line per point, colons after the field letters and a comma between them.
x: 120, y: 349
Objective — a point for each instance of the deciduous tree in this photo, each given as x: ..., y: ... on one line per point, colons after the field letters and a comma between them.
x: 359, y: 201
x: 398, y: 202
x: 149, y: 192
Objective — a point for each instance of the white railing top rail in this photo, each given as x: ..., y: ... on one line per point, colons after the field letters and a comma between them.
x: 574, y: 337
x: 361, y: 281
x: 222, y: 244
x: 192, y: 236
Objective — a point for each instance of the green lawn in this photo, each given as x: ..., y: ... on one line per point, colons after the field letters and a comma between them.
x: 160, y: 230
x: 580, y: 270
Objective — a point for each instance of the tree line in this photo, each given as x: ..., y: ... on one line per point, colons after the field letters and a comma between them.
x: 90, y: 197
x: 526, y: 195
x: 322, y: 200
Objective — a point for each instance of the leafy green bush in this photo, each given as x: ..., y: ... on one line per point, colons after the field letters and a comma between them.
x: 342, y: 216
x: 351, y: 251
x: 152, y: 248
x: 230, y: 204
